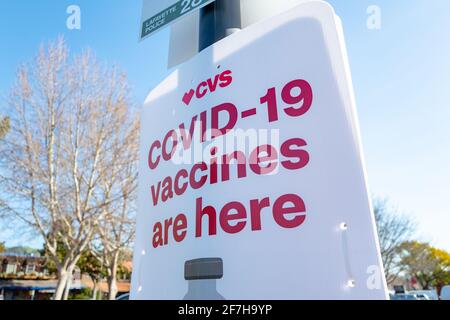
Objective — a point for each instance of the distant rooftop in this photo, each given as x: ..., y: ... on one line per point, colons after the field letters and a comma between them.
x: 20, y: 255
x: 21, y: 252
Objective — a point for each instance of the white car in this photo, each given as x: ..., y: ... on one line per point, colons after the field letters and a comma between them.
x: 445, y: 293
x: 422, y: 296
x: 404, y: 296
x: 425, y: 294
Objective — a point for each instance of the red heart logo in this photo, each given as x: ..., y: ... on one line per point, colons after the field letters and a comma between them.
x: 188, y: 97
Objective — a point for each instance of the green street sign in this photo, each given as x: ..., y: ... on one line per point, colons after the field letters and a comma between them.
x: 157, y: 14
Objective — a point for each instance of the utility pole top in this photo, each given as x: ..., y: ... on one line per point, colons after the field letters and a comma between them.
x: 219, y: 20
x: 216, y: 21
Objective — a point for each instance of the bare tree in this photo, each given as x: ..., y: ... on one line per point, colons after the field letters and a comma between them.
x: 393, y: 230
x: 70, y: 129
x: 4, y: 126
x: 116, y: 231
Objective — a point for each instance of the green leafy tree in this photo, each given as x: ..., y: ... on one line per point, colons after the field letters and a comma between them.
x: 84, y: 294
x: 429, y: 265
x: 442, y: 273
x: 91, y: 266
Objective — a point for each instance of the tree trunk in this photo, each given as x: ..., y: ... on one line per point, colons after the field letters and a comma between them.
x: 68, y: 285
x: 112, y: 286
x: 94, y: 289
x: 63, y: 276
x: 112, y: 277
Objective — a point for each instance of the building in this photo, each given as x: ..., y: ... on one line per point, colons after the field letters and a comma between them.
x: 26, y: 277
x: 14, y: 266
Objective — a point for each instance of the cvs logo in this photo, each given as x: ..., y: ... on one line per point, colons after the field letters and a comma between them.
x: 222, y: 80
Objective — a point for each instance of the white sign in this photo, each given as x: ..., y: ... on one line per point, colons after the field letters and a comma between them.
x: 157, y: 14
x: 252, y: 183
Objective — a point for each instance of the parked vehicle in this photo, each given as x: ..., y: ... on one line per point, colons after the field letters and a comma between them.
x: 426, y: 294
x: 404, y: 297
x: 125, y: 296
x: 445, y: 293
x: 422, y: 296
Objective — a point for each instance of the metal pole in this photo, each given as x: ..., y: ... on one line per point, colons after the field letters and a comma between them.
x: 218, y: 20
x: 207, y: 32
x: 228, y: 18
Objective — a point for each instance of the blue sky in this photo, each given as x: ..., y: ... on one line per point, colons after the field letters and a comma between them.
x: 401, y: 76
